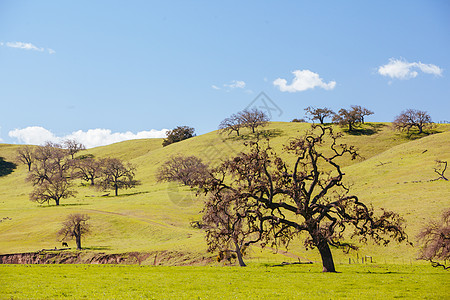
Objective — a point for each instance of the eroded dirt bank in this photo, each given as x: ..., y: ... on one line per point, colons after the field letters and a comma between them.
x: 167, y: 258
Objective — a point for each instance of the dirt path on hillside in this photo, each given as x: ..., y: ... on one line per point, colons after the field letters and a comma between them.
x: 134, y: 217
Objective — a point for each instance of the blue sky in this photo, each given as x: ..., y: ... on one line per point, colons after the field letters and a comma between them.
x: 104, y: 71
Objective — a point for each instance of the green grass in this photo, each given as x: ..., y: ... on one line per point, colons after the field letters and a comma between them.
x: 155, y: 216
x: 253, y: 282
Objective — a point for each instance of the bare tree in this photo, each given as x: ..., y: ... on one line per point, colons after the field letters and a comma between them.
x: 75, y: 226
x: 436, y: 242
x: 440, y: 169
x: 285, y: 200
x: 51, y: 175
x: 117, y: 175
x: 25, y: 155
x: 187, y: 170
x: 361, y: 112
x: 88, y: 169
x: 73, y: 146
x: 253, y: 118
x: 229, y: 227
x: 412, y: 118
x: 318, y: 113
x: 232, y: 124
x: 347, y: 117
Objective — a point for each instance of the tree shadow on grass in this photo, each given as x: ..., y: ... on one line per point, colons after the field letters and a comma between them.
x: 367, y: 129
x: 269, y: 133
x: 6, y: 167
x: 97, y: 248
x: 62, y: 205
x: 130, y: 194
x: 415, y: 135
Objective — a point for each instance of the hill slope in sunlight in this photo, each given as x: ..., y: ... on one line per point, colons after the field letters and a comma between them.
x: 394, y: 173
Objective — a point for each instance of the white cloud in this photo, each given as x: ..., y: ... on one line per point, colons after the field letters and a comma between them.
x: 303, y: 80
x: 34, y: 135
x: 25, y: 46
x: 37, y: 135
x: 401, y: 69
x: 235, y: 84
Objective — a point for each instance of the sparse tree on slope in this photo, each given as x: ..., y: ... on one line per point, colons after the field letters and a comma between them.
x: 412, y: 118
x: 117, y: 175
x: 25, y: 155
x: 88, y: 169
x: 232, y: 124
x: 436, y: 242
x: 75, y: 226
x: 51, y: 175
x: 183, y: 169
x: 73, y: 147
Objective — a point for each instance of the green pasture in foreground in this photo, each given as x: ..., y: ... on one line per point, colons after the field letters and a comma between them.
x: 254, y: 282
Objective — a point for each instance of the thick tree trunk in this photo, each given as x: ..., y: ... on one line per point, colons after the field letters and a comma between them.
x: 116, y: 187
x: 78, y: 241
x: 239, y: 255
x: 57, y: 201
x: 327, y: 257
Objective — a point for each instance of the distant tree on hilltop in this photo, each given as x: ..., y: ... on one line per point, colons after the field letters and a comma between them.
x: 248, y: 118
x: 25, y: 155
x: 253, y: 118
x: 413, y: 118
x: 318, y: 113
x: 352, y: 117
x: 178, y: 134
x: 234, y: 123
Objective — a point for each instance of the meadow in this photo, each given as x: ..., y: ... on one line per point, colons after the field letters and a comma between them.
x: 394, y: 172
x: 257, y: 281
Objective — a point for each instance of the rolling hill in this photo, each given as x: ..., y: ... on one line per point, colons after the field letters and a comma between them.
x: 393, y: 172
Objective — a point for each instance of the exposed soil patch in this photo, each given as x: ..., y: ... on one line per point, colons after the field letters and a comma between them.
x: 165, y: 258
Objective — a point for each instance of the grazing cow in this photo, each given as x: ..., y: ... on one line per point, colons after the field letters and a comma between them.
x: 64, y: 244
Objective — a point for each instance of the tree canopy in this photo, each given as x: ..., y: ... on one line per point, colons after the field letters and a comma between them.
x: 178, y: 134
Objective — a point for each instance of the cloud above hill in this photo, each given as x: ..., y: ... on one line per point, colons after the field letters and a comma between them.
x: 26, y: 46
x: 303, y: 80
x: 234, y: 84
x: 402, y: 69
x: 36, y: 135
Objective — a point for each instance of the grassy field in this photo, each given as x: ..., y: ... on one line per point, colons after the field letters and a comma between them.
x: 394, y: 172
x: 253, y: 282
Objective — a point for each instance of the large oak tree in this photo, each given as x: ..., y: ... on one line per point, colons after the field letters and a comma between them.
x: 304, y: 193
